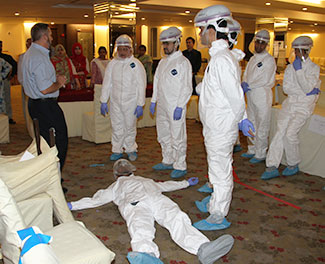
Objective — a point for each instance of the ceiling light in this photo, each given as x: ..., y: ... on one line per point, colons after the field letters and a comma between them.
x: 133, y: 0
x: 304, y: 9
x: 268, y: 3
x: 187, y: 11
x: 52, y: 23
x: 86, y: 15
x: 143, y: 18
x: 116, y: 13
x: 291, y: 21
x: 17, y: 13
x: 289, y: 28
x: 315, y: 24
x: 313, y: 30
x: 190, y: 21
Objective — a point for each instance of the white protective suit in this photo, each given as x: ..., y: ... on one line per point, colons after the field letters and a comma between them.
x: 221, y: 107
x: 296, y: 109
x: 141, y: 203
x: 260, y: 76
x: 172, y: 87
x: 124, y: 85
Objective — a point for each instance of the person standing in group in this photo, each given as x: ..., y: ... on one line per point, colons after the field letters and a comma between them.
x: 64, y: 66
x: 42, y: 86
x: 6, y: 81
x: 146, y: 60
x: 98, y: 66
x: 172, y: 89
x: 302, y: 85
x: 81, y: 64
x: 20, y: 76
x: 258, y: 80
x: 234, y: 30
x: 222, y: 109
x: 194, y: 56
x: 124, y: 86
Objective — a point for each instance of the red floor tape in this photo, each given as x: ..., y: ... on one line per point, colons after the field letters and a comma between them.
x: 237, y: 180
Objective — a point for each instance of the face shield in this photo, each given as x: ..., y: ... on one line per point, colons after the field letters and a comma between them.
x: 170, y: 40
x: 260, y: 42
x: 301, y: 48
x: 208, y: 20
x: 123, y: 167
x: 123, y: 47
x: 205, y: 35
x: 169, y: 47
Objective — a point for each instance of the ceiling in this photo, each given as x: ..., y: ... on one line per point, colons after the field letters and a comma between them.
x: 167, y: 12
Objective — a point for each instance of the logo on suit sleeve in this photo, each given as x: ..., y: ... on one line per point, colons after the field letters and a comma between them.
x: 132, y: 65
x: 260, y: 64
x: 173, y: 72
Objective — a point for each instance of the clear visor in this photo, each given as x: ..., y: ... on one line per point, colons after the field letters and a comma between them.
x: 258, y: 46
x: 169, y: 47
x: 122, y: 52
x: 303, y: 54
x: 202, y: 37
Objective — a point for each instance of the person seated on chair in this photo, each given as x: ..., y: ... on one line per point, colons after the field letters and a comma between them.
x: 141, y: 203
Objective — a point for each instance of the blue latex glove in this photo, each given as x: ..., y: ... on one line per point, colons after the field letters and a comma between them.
x: 297, y: 64
x: 193, y: 181
x: 245, y: 126
x: 314, y: 91
x: 104, y: 109
x: 138, y: 111
x: 69, y: 205
x: 178, y: 113
x: 152, y: 108
x: 245, y: 87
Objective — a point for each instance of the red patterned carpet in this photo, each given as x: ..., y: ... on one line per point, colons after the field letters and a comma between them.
x: 288, y: 227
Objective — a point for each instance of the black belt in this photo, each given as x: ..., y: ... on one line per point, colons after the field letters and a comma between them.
x: 44, y: 99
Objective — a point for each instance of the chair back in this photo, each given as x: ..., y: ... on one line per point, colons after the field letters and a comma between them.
x: 11, y: 221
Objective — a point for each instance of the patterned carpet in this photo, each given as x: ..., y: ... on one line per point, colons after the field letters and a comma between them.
x: 266, y: 230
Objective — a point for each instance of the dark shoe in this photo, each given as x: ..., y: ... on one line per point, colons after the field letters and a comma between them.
x: 11, y: 121
x: 65, y: 190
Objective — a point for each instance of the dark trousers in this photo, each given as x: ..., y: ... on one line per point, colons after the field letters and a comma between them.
x: 49, y: 114
x: 194, y: 84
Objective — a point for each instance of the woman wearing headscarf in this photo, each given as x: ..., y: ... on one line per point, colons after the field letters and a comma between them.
x: 98, y: 66
x: 81, y: 63
x: 64, y: 66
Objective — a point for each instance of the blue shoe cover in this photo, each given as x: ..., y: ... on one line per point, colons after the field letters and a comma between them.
x: 162, y: 166
x: 116, y: 156
x: 132, y: 156
x: 247, y: 155
x: 142, y: 258
x: 205, y: 189
x: 289, y: 172
x: 202, y: 205
x: 237, y: 148
x: 205, y: 226
x: 267, y: 175
x: 178, y: 173
x: 255, y: 160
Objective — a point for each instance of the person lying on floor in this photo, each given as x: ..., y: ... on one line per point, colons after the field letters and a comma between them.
x: 141, y: 203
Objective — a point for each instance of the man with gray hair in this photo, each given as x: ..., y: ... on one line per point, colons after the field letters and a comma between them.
x: 141, y: 203
x: 42, y: 86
